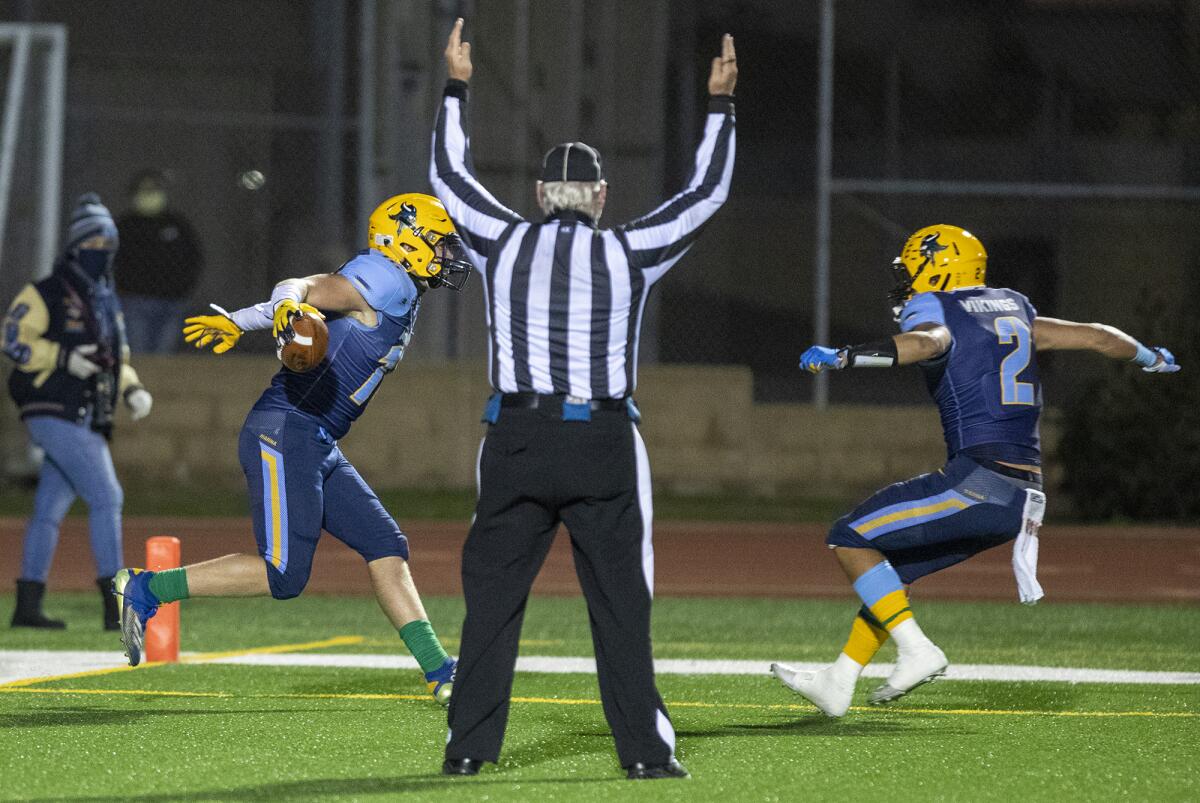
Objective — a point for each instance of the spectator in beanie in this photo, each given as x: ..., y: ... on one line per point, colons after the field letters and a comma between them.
x: 67, y: 338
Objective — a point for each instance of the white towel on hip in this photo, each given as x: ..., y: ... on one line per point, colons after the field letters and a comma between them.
x: 1025, y: 548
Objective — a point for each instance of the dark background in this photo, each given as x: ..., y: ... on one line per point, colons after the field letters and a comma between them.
x: 1031, y: 91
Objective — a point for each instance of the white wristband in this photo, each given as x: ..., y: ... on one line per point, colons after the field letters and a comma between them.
x: 286, y: 290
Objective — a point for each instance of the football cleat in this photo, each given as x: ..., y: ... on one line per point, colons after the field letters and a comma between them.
x: 440, y: 681
x: 461, y: 766
x: 138, y: 606
x: 648, y: 772
x: 914, y: 668
x: 821, y: 688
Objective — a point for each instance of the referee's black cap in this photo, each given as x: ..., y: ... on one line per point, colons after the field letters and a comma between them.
x: 572, y: 161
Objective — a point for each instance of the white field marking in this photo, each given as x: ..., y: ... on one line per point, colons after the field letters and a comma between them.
x: 24, y: 664
x: 20, y: 664
x: 675, y: 666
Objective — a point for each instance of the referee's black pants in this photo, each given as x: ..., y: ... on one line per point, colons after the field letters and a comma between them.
x: 536, y: 470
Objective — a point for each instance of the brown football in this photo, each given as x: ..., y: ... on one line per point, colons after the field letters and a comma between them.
x: 303, y: 343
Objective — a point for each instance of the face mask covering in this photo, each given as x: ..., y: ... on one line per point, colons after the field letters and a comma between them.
x: 95, y: 263
x: 150, y: 203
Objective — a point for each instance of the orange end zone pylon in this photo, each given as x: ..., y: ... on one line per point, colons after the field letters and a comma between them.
x: 162, y: 632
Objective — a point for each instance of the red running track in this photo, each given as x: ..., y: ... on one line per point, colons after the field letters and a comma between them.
x: 1078, y: 563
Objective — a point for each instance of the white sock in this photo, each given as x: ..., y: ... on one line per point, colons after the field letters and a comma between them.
x: 908, y: 635
x: 845, y: 669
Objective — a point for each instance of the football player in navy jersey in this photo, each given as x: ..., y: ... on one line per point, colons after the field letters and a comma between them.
x: 978, y: 348
x: 298, y: 478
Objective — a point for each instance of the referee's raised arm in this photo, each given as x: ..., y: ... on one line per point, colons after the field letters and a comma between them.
x: 657, y: 240
x: 477, y: 215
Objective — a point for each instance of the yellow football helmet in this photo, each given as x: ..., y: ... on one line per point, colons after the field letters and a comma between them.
x: 940, y: 258
x: 415, y: 231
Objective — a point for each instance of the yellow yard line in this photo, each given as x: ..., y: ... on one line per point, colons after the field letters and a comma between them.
x: 1001, y: 712
x: 337, y: 641
x: 13, y: 684
x: 135, y: 692
x: 449, y: 641
x: 583, y: 701
x: 274, y: 649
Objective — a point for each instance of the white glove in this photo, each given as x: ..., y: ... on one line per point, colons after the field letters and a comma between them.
x: 79, y: 364
x: 139, y: 401
x: 1025, y: 548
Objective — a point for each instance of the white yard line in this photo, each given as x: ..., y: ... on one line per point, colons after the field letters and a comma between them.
x: 22, y: 664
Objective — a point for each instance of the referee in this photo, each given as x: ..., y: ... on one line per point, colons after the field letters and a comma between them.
x: 565, y: 301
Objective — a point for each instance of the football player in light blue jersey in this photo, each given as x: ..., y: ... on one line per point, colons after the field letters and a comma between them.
x: 978, y: 349
x: 298, y: 478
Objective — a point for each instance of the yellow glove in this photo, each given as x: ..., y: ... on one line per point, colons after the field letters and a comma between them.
x: 204, y: 329
x: 288, y: 308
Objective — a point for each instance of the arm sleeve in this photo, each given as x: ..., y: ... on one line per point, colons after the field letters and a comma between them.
x: 922, y: 308
x: 657, y: 240
x: 478, y: 216
x: 22, y: 336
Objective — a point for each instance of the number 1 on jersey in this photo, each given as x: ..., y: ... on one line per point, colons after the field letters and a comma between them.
x: 1012, y: 390
x: 387, y: 364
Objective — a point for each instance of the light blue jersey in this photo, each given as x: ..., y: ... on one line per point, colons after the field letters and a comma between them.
x: 337, y: 391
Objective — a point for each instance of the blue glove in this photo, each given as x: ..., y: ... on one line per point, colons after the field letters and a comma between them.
x: 823, y: 358
x: 1165, y: 364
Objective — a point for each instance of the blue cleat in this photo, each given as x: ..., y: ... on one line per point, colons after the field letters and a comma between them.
x: 138, y: 605
x: 440, y: 681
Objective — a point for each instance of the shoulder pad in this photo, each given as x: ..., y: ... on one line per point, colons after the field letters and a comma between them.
x: 922, y: 308
x: 387, y: 288
x: 1024, y: 299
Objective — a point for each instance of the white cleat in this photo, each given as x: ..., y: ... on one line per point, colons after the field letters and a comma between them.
x: 915, y: 667
x: 821, y: 688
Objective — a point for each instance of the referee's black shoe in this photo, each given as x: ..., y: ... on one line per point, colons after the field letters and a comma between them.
x: 642, y: 772
x: 461, y: 766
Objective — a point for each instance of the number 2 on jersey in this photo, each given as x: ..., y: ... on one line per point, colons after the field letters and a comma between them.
x: 1012, y: 390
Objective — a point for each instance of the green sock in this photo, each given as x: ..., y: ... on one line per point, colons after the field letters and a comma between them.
x: 423, y: 643
x: 169, y: 585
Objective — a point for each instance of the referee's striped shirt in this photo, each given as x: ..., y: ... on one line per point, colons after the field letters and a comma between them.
x: 564, y: 298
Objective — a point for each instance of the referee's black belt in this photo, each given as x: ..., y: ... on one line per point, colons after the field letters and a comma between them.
x: 555, y: 401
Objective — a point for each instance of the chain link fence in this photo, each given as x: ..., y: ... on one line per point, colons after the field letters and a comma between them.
x: 943, y: 112
x: 1064, y: 133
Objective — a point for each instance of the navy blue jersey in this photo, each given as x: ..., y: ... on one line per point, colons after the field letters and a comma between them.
x: 986, y: 385
x: 359, y: 356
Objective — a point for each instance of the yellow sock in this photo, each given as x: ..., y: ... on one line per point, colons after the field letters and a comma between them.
x: 882, y: 592
x: 865, y: 640
x: 892, y: 609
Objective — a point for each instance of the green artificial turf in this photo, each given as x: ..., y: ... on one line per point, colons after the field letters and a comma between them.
x: 289, y: 733
x: 742, y: 738
x: 1152, y: 637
